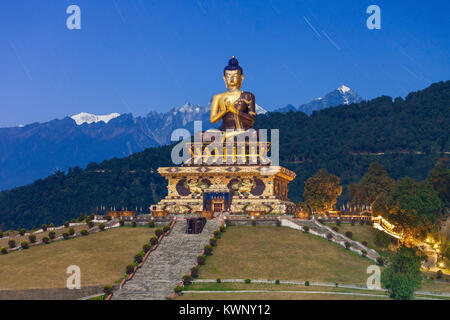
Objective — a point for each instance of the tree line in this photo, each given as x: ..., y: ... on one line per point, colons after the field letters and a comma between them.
x: 405, y: 136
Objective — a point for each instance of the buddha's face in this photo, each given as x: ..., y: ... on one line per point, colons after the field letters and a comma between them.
x: 233, y: 79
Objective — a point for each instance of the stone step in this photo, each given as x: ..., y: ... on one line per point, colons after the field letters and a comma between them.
x: 165, y: 267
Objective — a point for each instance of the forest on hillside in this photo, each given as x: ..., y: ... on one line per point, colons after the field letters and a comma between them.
x: 406, y: 136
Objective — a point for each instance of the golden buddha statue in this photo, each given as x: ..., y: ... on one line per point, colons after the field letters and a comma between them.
x: 236, y: 108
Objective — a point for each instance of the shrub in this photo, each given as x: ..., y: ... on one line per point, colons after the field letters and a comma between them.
x: 129, y: 269
x: 84, y: 232
x: 52, y: 235
x: 306, y: 229
x: 45, y: 240
x: 166, y: 228
x: 336, y: 284
x: 151, y: 224
x: 107, y: 289
x: 24, y: 245
x: 336, y: 229
x: 177, y: 289
x: 187, y: 279
x: 338, y: 222
x: 146, y: 247
x: 364, y: 243
x: 73, y: 221
x: 353, y: 223
x: 380, y: 261
x: 101, y: 226
x: 382, y: 240
x: 361, y: 222
x: 208, y: 250
x: 347, y: 245
x: 277, y: 281
x: 66, y: 224
x: 65, y: 235
x: 1, y: 234
x: 153, y: 240
x: 32, y: 238
x: 44, y: 227
x: 22, y: 231
x: 307, y: 283
x: 11, y: 244
x: 134, y: 223
x: 4, y: 250
x: 363, y: 253
x: 254, y: 223
x: 138, y: 258
x: 158, y: 232
x: 222, y: 228
x: 213, y: 242
x: 51, y: 225
x: 121, y: 222
x: 368, y: 222
x: 194, y: 272
x: 201, y: 260
x: 320, y: 221
x: 349, y: 234
x: 90, y: 224
x: 439, y: 274
x: 218, y: 280
x: 108, y: 218
x: 329, y: 236
x: 71, y: 231
x: 217, y: 234
x: 247, y: 281
x: 278, y: 223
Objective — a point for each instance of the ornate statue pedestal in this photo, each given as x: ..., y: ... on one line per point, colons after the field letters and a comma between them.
x: 228, y: 169
x: 239, y: 189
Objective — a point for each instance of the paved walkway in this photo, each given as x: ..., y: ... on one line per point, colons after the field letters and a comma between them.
x: 165, y: 267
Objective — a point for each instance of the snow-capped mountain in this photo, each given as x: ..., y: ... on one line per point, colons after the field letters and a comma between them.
x: 89, y: 118
x: 342, y: 95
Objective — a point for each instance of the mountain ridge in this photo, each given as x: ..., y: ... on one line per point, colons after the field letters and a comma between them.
x: 336, y: 139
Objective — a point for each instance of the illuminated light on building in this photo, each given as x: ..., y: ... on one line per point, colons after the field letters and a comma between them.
x: 428, y: 240
x: 436, y: 246
x: 441, y: 265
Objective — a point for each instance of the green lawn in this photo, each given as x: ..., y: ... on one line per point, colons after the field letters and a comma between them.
x: 282, y: 253
x: 101, y: 256
x: 360, y: 233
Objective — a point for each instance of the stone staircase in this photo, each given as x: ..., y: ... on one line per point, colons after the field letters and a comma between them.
x: 324, y: 230
x: 165, y: 267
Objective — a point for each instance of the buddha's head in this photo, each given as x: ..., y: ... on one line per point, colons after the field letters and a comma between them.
x: 233, y: 75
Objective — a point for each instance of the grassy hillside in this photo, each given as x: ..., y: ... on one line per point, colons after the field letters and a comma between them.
x: 405, y: 136
x: 102, y: 258
x: 282, y: 253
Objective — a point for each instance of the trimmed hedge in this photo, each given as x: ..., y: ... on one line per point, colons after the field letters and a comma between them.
x: 108, y: 289
x: 201, y: 260
x: 11, y: 244
x: 32, y: 238
x: 194, y: 272
x: 153, y: 240
x: 158, y: 232
x: 129, y: 269
x: 208, y: 250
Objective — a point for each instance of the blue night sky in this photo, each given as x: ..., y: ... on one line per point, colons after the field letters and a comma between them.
x: 143, y: 55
